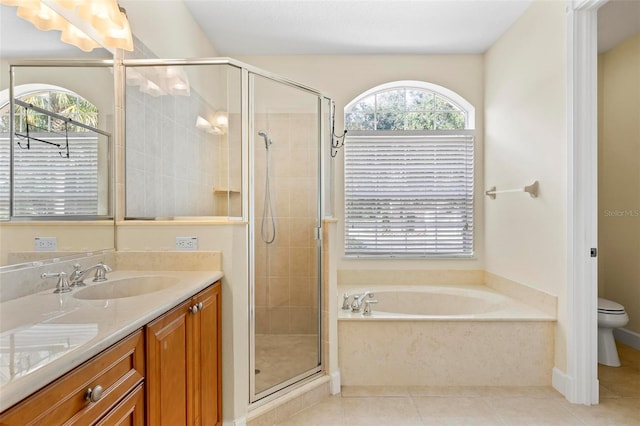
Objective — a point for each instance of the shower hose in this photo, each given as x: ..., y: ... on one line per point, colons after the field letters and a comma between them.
x: 267, y: 209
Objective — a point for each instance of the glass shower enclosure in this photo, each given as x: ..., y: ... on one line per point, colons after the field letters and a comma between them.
x: 285, y: 127
x: 217, y: 138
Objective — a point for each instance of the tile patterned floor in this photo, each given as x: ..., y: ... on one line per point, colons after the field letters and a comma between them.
x: 396, y: 406
x: 282, y: 356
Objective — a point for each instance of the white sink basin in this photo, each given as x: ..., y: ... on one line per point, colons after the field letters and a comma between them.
x: 125, y: 287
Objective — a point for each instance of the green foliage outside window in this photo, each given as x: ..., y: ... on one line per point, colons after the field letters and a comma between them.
x: 66, y: 104
x: 405, y: 109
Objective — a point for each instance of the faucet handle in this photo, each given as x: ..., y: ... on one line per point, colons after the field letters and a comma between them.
x: 367, y: 306
x: 101, y: 271
x: 63, y: 284
x: 76, y: 278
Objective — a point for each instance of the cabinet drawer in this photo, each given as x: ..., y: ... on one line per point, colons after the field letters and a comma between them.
x: 117, y: 370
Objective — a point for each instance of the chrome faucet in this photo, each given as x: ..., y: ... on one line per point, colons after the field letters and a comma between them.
x: 358, y: 300
x: 345, y: 301
x: 77, y: 276
x: 63, y: 283
x: 367, y: 306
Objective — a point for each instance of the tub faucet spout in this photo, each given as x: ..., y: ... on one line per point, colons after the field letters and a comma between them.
x: 358, y: 300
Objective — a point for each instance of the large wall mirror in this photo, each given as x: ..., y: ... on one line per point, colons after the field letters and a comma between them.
x: 56, y: 160
x: 183, y: 149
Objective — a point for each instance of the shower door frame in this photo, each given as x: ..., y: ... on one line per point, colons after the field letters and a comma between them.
x: 259, y: 398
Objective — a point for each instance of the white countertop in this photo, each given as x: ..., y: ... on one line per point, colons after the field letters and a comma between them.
x: 45, y: 335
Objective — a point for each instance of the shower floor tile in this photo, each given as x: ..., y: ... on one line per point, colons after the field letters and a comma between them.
x: 280, y: 357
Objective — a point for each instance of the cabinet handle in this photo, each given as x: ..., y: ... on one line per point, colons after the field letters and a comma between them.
x: 195, y: 308
x: 93, y: 395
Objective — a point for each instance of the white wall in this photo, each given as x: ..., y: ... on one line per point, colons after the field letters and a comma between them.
x: 619, y: 177
x: 344, y: 78
x: 525, y: 140
x: 168, y: 29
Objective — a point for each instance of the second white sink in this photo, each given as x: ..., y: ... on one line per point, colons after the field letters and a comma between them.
x: 126, y: 287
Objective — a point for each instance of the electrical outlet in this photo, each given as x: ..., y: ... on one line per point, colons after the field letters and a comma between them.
x: 46, y: 243
x: 186, y: 243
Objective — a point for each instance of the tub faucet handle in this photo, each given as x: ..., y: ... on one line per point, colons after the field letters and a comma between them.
x: 367, y: 306
x: 345, y: 301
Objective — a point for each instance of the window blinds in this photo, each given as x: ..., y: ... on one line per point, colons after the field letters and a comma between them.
x: 409, y: 194
x: 46, y: 184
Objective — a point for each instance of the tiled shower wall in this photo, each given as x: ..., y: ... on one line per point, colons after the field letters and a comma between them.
x: 286, y: 279
x: 170, y: 164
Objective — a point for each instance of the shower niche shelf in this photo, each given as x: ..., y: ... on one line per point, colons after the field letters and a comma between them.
x: 224, y: 191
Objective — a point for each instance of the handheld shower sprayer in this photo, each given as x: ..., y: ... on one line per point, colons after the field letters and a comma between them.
x: 268, y: 225
x: 267, y: 141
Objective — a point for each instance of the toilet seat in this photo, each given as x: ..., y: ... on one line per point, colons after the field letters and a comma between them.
x: 610, y: 307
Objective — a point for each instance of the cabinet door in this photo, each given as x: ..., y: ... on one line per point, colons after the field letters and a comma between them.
x: 184, y: 363
x: 167, y: 368
x: 207, y: 403
x: 130, y: 412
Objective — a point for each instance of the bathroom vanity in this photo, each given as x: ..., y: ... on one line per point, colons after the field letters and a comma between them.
x: 148, y: 355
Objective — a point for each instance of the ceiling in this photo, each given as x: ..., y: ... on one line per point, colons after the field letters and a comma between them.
x: 344, y: 27
x: 617, y: 21
x: 349, y: 27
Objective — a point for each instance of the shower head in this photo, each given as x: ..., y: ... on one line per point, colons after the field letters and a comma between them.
x: 267, y: 141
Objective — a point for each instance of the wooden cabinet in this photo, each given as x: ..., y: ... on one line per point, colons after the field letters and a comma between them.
x: 117, y: 371
x: 184, y: 363
x: 180, y: 371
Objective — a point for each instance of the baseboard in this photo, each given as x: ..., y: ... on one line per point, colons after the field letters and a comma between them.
x: 334, y: 385
x: 561, y: 382
x: 235, y: 422
x: 628, y: 337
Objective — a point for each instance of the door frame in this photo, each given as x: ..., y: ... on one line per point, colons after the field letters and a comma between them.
x: 580, y: 382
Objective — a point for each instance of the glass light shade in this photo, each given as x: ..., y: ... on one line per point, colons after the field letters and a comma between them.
x: 119, y: 37
x: 150, y: 88
x: 135, y: 78
x: 74, y: 36
x: 101, y: 14
x: 221, y: 119
x: 176, y: 81
x: 29, y: 4
x: 42, y: 17
x: 202, y: 124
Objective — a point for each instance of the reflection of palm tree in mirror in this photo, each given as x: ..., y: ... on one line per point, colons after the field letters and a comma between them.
x: 64, y: 103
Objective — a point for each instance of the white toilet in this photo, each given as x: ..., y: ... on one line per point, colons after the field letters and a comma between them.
x: 610, y: 315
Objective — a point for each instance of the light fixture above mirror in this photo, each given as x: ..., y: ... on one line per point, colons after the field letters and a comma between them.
x: 86, y: 24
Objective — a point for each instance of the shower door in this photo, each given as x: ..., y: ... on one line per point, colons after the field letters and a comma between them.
x: 285, y: 222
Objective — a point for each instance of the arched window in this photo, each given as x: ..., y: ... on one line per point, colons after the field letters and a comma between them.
x: 409, y: 105
x: 56, y: 162
x: 409, y: 157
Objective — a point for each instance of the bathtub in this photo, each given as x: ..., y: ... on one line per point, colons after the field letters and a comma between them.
x: 448, y: 335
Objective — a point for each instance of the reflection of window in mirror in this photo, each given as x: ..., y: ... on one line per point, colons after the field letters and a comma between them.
x: 61, y: 158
